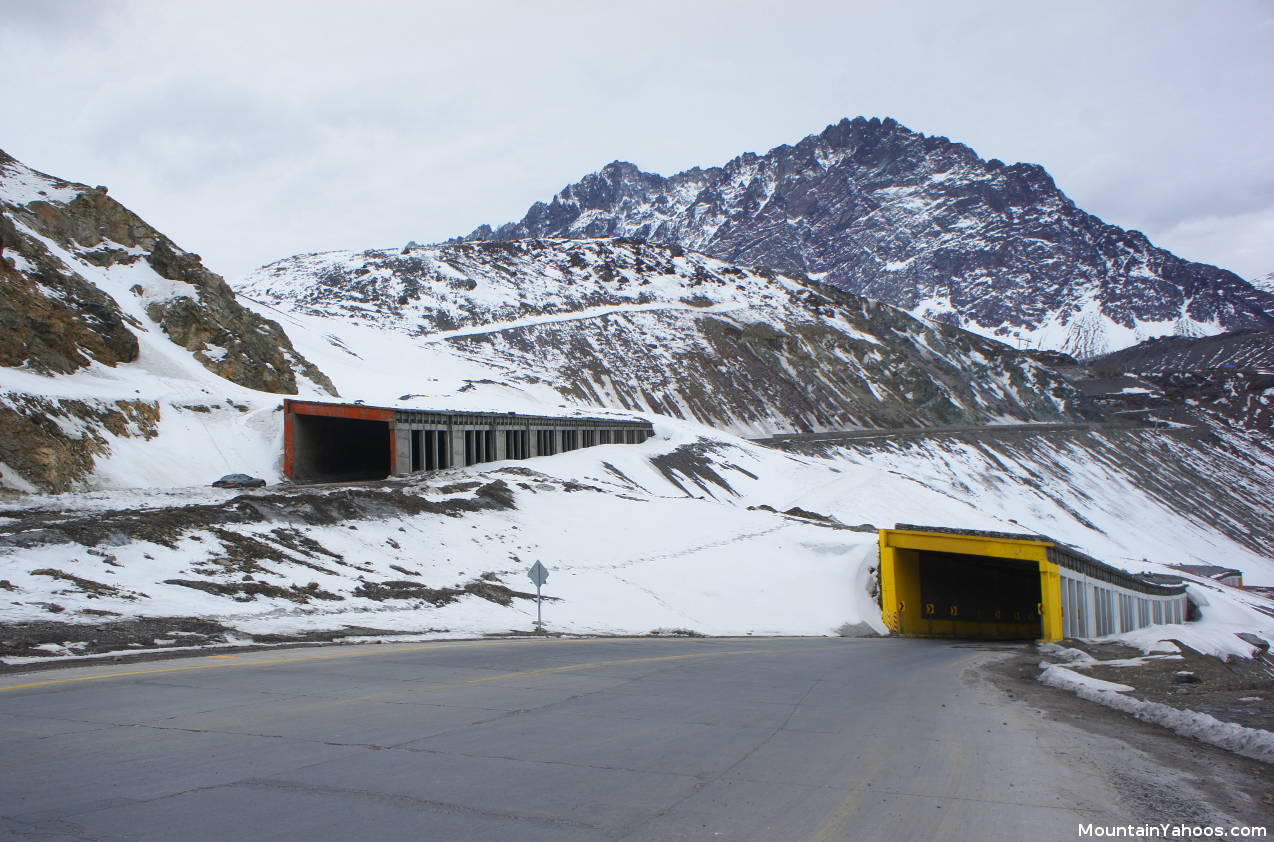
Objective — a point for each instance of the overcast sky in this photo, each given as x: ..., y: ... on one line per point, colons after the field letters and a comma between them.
x: 250, y: 131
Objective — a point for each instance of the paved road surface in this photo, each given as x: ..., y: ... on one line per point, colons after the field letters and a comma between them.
x: 638, y: 739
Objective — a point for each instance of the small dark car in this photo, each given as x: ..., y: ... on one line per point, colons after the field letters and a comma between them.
x: 239, y: 481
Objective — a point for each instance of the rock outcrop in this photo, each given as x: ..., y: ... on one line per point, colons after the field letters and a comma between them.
x: 95, y: 309
x: 58, y: 314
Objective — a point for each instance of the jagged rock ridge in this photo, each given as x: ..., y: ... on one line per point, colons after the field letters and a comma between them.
x: 624, y: 324
x: 922, y: 223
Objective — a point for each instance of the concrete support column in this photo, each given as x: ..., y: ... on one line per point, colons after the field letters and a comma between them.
x: 400, y: 442
x: 455, y: 436
x: 501, y: 444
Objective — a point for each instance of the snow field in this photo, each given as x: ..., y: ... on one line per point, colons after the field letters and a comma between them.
x: 631, y: 548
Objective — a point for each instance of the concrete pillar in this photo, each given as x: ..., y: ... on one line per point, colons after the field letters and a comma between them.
x: 455, y: 444
x: 1051, y: 603
x: 401, y: 437
x: 501, y: 444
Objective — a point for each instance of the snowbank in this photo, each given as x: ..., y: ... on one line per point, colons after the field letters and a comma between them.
x: 1250, y: 742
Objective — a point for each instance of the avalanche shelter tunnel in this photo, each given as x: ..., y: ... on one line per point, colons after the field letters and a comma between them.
x: 939, y: 582
x: 329, y: 442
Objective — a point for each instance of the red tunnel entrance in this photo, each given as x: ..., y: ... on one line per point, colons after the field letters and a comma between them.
x: 332, y: 443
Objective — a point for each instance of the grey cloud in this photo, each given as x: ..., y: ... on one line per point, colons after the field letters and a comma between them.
x: 53, y: 18
x: 257, y: 129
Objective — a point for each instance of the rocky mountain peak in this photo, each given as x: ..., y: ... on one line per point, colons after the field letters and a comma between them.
x: 920, y: 222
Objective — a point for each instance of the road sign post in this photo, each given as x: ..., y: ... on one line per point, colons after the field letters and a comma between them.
x: 539, y: 575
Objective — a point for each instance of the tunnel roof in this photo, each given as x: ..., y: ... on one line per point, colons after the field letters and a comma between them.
x: 403, y: 413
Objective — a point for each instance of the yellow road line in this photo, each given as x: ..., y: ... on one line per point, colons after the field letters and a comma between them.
x: 378, y: 651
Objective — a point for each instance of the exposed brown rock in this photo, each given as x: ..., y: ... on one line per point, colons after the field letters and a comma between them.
x: 51, y: 319
x: 35, y: 442
x: 55, y: 320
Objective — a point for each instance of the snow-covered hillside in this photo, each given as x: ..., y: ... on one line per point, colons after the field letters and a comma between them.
x: 685, y: 532
x: 1247, y: 349
x: 625, y: 325
x: 924, y: 224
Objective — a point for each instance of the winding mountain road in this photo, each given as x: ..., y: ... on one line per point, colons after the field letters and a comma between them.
x: 969, y: 430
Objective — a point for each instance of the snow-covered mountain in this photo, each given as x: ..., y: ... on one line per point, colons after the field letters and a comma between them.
x: 924, y: 224
x: 107, y: 327
x: 623, y: 324
x: 1265, y: 282
x: 137, y: 381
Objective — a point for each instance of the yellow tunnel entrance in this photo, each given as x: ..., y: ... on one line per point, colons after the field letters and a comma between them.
x: 983, y: 585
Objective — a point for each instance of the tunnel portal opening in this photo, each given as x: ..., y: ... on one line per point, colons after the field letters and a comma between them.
x: 980, y: 585
x: 978, y: 596
x: 335, y: 449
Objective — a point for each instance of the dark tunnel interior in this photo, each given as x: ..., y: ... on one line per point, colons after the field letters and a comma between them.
x: 1000, y: 595
x: 338, y: 449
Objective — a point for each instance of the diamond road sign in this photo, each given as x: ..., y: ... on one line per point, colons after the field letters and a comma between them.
x: 539, y: 574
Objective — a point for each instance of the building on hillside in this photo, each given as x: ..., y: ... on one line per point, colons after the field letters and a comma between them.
x: 1224, y: 575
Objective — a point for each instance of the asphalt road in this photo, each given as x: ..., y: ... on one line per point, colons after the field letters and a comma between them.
x: 638, y: 739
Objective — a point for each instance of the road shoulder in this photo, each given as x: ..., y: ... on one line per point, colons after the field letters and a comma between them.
x: 1164, y: 777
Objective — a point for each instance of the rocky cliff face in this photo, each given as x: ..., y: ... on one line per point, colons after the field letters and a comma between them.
x: 921, y: 223
x: 101, y: 319
x: 624, y: 324
x: 62, y: 241
x: 52, y: 320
